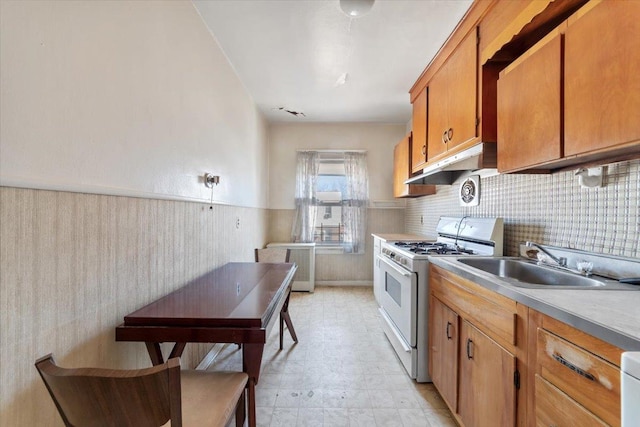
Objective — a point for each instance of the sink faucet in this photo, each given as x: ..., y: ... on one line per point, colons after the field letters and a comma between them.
x: 561, y: 261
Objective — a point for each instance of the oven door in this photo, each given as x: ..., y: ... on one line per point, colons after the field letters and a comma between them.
x: 399, y: 298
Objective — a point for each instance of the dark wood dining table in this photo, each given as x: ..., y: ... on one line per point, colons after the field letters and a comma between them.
x: 236, y: 303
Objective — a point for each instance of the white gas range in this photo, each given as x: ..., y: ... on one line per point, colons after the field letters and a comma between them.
x: 404, y: 266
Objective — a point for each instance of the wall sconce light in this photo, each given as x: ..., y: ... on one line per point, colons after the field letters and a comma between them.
x: 210, y: 180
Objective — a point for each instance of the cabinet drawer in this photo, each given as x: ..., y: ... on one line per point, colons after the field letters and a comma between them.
x: 555, y: 408
x: 589, y: 380
x: 604, y: 350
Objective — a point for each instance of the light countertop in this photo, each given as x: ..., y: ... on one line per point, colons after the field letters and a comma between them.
x: 611, y: 315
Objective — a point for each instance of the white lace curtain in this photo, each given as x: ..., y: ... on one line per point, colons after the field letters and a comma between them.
x: 304, y: 222
x: 356, y: 201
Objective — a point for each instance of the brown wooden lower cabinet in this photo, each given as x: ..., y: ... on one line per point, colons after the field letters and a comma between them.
x: 444, y: 351
x: 555, y: 408
x: 584, y: 370
x: 509, y: 365
x: 469, y: 365
x: 487, y: 392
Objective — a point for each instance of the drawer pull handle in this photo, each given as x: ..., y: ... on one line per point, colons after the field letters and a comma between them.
x: 574, y: 368
x: 469, y: 349
x: 449, y: 336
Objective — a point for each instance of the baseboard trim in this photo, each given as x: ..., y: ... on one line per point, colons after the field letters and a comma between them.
x: 368, y: 283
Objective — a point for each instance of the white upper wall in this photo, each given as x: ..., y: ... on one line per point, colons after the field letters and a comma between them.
x: 124, y: 97
x: 285, y: 139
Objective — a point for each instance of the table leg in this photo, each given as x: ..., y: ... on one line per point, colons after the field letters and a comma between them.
x: 178, y: 348
x: 153, y: 348
x: 251, y: 360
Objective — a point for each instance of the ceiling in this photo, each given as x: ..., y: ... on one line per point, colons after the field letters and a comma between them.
x: 293, y: 55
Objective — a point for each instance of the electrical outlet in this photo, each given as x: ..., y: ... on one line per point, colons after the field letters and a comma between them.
x: 421, y: 219
x: 238, y: 223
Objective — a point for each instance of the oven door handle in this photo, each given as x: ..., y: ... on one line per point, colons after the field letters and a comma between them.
x: 397, y: 269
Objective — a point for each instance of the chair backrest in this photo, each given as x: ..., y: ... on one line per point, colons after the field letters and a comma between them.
x: 109, y: 397
x: 273, y: 255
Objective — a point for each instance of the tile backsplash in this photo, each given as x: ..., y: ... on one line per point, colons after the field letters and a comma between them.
x: 549, y: 209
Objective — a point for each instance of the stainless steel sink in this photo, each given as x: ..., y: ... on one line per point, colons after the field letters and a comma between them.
x: 522, y: 273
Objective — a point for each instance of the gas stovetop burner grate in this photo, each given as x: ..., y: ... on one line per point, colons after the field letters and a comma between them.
x: 443, y: 251
x: 432, y: 248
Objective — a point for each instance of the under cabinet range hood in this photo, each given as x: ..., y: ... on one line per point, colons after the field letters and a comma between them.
x: 449, y: 169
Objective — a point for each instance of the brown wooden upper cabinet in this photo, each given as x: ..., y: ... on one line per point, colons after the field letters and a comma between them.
x: 588, y: 65
x: 602, y: 78
x: 529, y: 101
x: 402, y: 172
x: 452, y: 100
x: 419, y: 125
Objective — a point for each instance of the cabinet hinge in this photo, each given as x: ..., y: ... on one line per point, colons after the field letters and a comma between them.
x: 477, y: 121
x: 516, y: 379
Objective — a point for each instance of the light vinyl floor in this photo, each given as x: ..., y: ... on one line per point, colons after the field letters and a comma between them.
x: 343, y: 371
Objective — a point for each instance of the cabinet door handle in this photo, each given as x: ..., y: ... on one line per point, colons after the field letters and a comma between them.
x: 424, y: 150
x: 469, y: 348
x: 449, y: 336
x: 450, y: 134
x: 574, y: 368
x: 444, y: 137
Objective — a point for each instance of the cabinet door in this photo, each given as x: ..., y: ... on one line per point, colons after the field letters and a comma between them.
x: 443, y: 351
x: 453, y: 96
x: 529, y: 108
x: 419, y: 124
x: 401, y: 167
x: 487, y: 394
x: 602, y: 77
x: 462, y: 75
x: 438, y: 121
x: 401, y: 172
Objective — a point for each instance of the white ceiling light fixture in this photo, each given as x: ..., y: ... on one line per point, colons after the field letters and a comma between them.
x: 355, y: 8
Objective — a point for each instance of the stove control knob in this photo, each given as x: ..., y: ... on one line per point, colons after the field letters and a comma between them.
x: 403, y: 261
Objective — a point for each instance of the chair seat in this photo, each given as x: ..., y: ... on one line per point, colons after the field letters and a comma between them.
x: 209, y: 398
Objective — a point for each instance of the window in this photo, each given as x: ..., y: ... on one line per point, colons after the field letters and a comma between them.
x: 331, y: 199
x: 331, y: 185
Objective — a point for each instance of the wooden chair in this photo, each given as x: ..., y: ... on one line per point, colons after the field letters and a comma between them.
x: 279, y: 255
x: 161, y: 395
